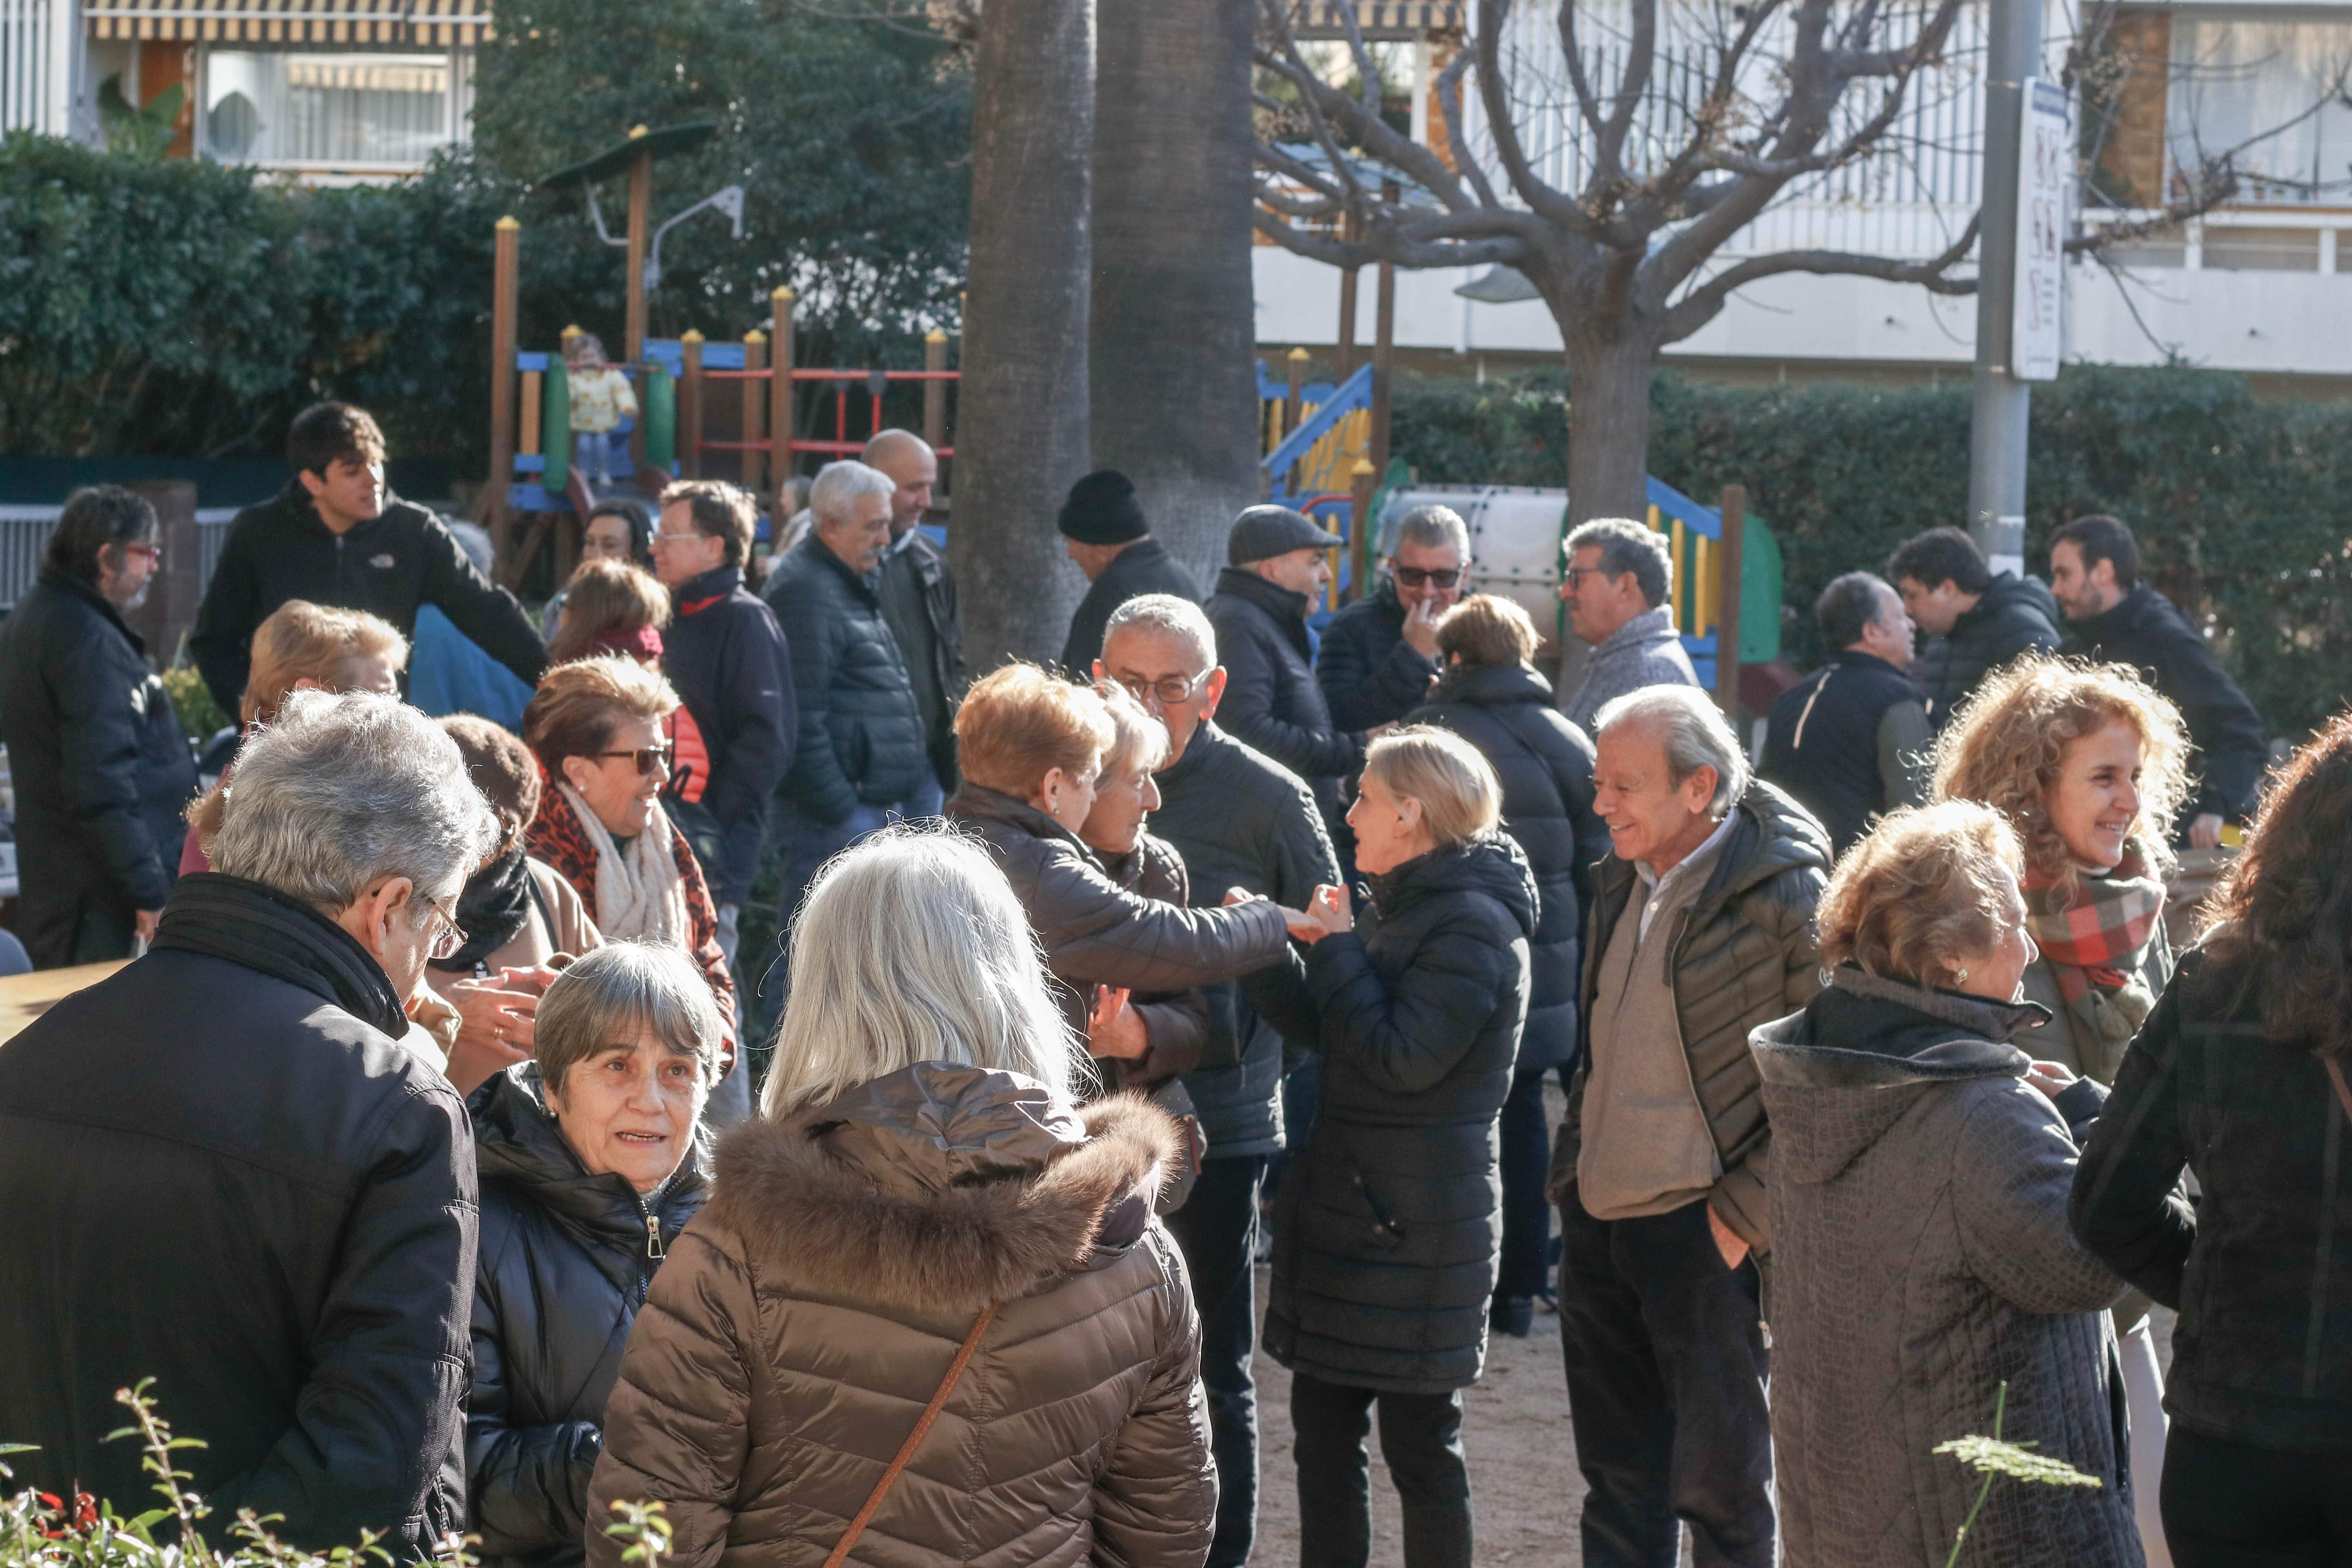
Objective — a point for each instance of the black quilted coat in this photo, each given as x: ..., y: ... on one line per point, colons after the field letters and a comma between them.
x: 566, y: 1259
x: 1390, y: 1221
x: 861, y: 737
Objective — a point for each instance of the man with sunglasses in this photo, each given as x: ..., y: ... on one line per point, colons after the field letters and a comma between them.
x: 1380, y: 654
x: 100, y: 763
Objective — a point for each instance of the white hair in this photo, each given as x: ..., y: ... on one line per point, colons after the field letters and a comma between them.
x: 615, y: 990
x: 911, y: 947
x: 1693, y: 732
x: 833, y: 497
x: 1169, y: 614
x: 344, y: 791
x: 1432, y: 527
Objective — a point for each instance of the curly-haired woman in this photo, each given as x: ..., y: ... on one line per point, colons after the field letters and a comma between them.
x: 2090, y: 765
x: 2241, y: 1074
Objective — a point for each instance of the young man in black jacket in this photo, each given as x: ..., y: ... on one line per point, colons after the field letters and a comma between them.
x: 336, y: 535
x: 102, y: 765
x: 2112, y: 614
x: 224, y: 1170
x: 1380, y: 654
x: 1977, y: 619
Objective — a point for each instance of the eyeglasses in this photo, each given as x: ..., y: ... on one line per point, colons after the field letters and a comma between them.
x: 650, y: 758
x: 1577, y: 574
x: 679, y: 538
x: 453, y: 935
x: 1423, y: 576
x: 1173, y: 690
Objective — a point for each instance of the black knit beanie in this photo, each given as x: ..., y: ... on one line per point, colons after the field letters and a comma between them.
x: 1102, y: 510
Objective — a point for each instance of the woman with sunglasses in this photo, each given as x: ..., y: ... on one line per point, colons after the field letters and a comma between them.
x: 595, y: 725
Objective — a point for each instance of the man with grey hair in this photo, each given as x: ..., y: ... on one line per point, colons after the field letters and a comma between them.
x: 1702, y: 928
x: 224, y: 1171
x: 1380, y: 654
x: 863, y: 755
x: 918, y: 600
x: 1618, y: 578
x: 1851, y: 739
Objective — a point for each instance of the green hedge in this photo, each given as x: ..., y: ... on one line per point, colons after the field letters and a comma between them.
x: 2240, y: 505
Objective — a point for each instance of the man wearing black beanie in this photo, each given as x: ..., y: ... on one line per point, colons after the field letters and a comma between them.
x: 1114, y: 547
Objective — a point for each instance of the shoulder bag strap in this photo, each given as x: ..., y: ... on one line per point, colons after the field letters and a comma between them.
x: 2335, y: 1075
x: 914, y: 1439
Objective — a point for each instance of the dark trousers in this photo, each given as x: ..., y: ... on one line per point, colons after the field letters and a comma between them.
x: 2228, y: 1505
x: 1421, y: 1438
x: 1666, y: 1391
x: 1527, y: 1212
x: 1217, y: 1230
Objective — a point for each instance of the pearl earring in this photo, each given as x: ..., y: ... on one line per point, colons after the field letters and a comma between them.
x: 1960, y: 977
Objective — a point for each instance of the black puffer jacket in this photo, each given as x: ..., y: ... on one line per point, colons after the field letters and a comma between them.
x: 101, y: 766
x: 1545, y: 764
x: 2257, y: 1268
x: 221, y: 1169
x: 1143, y: 567
x: 2014, y: 615
x: 1369, y: 673
x: 1743, y: 956
x: 2146, y: 630
x: 1271, y: 701
x: 1389, y: 1224
x: 565, y: 1262
x: 1094, y: 931
x: 861, y: 737
x: 391, y: 565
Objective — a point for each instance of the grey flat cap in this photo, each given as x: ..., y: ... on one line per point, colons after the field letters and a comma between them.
x: 1263, y: 532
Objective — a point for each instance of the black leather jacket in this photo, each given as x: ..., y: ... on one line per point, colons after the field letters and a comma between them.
x: 565, y: 1263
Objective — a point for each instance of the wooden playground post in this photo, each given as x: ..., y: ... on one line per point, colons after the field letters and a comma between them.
x: 1383, y: 345
x: 1359, y: 529
x: 780, y: 400
x: 641, y: 200
x: 935, y: 393
x: 505, y: 279
x: 1347, y: 303
x: 755, y: 357
x: 1727, y: 622
x: 1295, y: 402
x: 689, y: 404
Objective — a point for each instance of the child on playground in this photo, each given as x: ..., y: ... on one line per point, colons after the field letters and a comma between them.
x: 601, y: 398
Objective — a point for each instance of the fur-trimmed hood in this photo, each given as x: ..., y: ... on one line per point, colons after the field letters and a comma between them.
x: 943, y: 1187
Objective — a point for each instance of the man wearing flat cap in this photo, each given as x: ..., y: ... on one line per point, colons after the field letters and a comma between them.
x: 1113, y: 546
x: 1274, y: 575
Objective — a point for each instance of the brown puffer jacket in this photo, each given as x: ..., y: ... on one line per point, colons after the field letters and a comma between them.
x: 810, y: 1312
x: 1743, y: 956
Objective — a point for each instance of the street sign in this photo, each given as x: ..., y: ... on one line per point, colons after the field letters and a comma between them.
x: 2045, y: 176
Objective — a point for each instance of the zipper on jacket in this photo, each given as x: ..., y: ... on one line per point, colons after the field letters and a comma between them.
x: 652, y: 1237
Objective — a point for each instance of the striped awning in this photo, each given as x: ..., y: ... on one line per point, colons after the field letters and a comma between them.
x: 416, y: 23
x: 1377, y: 18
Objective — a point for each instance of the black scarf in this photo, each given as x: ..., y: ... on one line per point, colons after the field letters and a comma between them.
x: 492, y: 911
x: 261, y: 928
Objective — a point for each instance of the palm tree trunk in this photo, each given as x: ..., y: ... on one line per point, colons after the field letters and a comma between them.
x: 1021, y: 436
x: 1174, y: 334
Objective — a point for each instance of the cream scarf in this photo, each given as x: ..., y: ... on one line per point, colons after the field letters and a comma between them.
x: 638, y: 894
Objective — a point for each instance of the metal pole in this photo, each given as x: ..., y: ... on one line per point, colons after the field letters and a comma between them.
x: 1728, y: 609
x: 2001, y: 402
x: 690, y: 413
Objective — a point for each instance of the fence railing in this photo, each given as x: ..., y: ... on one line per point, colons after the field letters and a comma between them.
x: 24, y: 533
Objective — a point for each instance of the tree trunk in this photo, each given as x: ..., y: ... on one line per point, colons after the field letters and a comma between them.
x: 1021, y: 426
x: 1174, y: 335
x: 1608, y: 428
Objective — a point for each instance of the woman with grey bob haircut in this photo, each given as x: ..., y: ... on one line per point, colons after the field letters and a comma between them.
x: 591, y: 1161
x: 1694, y: 733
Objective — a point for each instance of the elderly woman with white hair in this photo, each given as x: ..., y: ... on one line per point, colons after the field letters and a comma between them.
x: 222, y: 1170
x: 1388, y: 1225
x: 930, y: 1302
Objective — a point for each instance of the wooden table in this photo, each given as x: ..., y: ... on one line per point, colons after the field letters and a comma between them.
x: 25, y: 997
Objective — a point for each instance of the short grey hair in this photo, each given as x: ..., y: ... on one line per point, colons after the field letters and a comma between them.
x: 610, y: 993
x: 344, y: 791
x: 1627, y: 546
x: 1433, y: 527
x: 911, y: 947
x: 1169, y: 615
x: 1694, y: 734
x: 833, y: 497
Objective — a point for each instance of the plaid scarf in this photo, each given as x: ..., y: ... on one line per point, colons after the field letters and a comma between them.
x: 2094, y: 934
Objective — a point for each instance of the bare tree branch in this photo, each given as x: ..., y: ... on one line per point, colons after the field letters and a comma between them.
x: 1701, y: 305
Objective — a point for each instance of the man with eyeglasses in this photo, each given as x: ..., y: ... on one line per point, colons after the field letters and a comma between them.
x: 100, y: 765
x: 1619, y: 575
x: 1240, y: 820
x: 1380, y: 654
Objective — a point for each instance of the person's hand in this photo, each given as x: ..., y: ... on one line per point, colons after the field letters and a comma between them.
x: 2051, y: 1078
x: 1421, y: 625
x: 143, y: 923
x: 1328, y: 913
x: 1727, y: 1240
x: 2205, y: 831
x: 1113, y: 1028
x: 493, y: 1019
x: 534, y: 980
x: 1239, y: 896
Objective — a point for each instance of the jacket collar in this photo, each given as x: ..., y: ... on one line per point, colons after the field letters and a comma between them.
x: 1855, y: 659
x: 981, y: 803
x: 87, y: 592
x: 1491, y: 863
x: 1288, y: 609
x: 822, y: 554
x: 1648, y: 628
x: 1199, y: 754
x: 2126, y: 615
x: 261, y: 928
x: 718, y: 583
x: 1870, y: 1031
x: 305, y: 512
x: 1491, y: 686
x: 516, y: 1140
x: 1145, y: 551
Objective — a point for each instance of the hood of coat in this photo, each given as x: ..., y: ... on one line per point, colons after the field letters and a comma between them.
x: 1489, y: 863
x: 1840, y: 1073
x: 944, y: 1187
x: 1491, y: 686
x: 2006, y: 591
x: 518, y: 1143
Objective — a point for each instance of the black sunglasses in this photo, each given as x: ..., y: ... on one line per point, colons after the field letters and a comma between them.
x: 650, y: 757
x: 1418, y: 576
